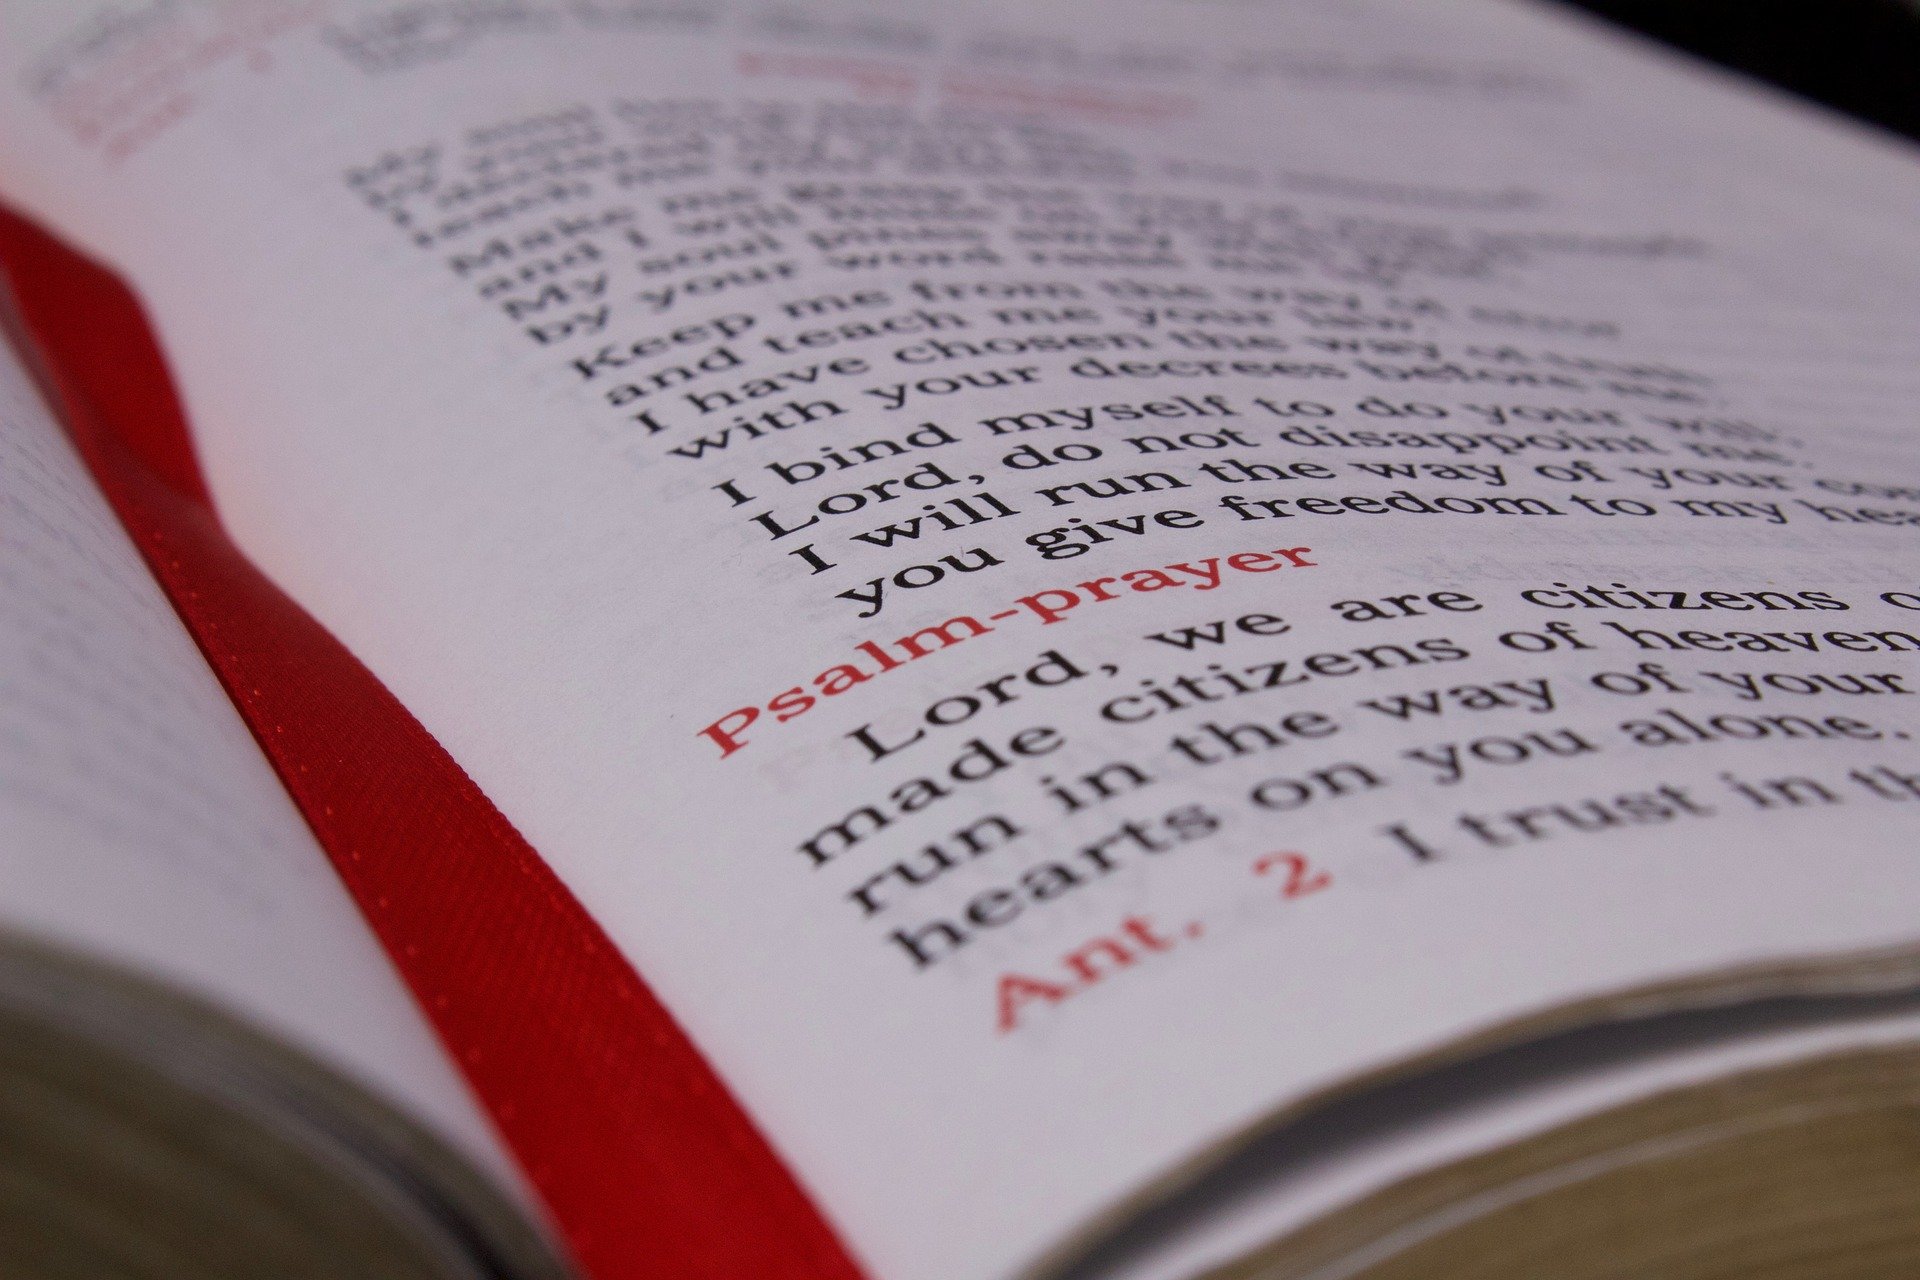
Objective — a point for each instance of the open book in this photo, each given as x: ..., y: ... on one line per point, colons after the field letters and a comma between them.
x: 973, y: 641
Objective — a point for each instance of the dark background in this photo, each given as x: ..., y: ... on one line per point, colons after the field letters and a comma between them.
x: 1861, y: 56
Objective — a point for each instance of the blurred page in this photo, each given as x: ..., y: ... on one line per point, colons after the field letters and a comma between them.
x: 142, y: 823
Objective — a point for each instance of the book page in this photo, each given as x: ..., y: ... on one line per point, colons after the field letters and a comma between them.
x: 143, y: 826
x: 1063, y: 581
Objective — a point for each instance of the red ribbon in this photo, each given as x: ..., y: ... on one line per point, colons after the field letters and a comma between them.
x: 645, y: 1160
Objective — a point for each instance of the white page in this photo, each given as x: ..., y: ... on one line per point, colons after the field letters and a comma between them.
x: 139, y: 822
x: 566, y: 604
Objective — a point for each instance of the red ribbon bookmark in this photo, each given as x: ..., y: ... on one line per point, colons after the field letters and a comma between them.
x: 648, y: 1164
